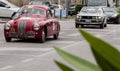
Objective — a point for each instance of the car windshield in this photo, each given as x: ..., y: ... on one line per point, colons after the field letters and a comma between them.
x: 90, y: 10
x: 37, y: 11
x: 109, y: 10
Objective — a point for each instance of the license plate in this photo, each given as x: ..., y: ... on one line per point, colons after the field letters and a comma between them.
x: 88, y: 21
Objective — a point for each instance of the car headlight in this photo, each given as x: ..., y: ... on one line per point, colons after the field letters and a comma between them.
x: 36, y: 27
x: 7, y: 26
x: 99, y: 18
x: 114, y: 15
x: 78, y: 17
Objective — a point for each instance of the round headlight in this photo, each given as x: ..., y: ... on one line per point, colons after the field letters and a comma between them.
x: 114, y: 15
x: 7, y: 26
x: 36, y: 27
x: 99, y: 17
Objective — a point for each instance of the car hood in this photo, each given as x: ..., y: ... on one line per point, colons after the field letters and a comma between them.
x: 111, y: 14
x: 89, y: 14
x: 15, y: 9
x: 30, y: 20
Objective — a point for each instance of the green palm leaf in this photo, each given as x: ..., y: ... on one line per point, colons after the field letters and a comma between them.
x: 63, y: 67
x: 106, y: 55
x: 79, y: 63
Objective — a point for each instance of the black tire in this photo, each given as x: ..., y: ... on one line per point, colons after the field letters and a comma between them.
x: 76, y: 25
x: 43, y: 37
x: 105, y: 25
x: 8, y: 39
x: 102, y: 26
x: 71, y: 15
x: 55, y: 36
x: 117, y: 21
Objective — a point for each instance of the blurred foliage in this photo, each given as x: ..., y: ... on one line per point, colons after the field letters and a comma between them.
x: 78, y: 8
x: 107, y: 56
x: 19, y: 2
x: 118, y: 11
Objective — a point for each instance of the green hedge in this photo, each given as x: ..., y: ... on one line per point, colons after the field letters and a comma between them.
x: 78, y: 8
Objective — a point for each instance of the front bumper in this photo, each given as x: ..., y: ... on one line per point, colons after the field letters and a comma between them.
x: 111, y: 19
x: 26, y: 35
x: 88, y: 22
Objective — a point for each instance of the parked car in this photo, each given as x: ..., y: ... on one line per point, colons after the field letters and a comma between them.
x: 113, y: 15
x: 71, y: 10
x: 32, y: 22
x: 56, y: 6
x: 7, y: 9
x: 91, y: 16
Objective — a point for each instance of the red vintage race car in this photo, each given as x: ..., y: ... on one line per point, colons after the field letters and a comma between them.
x: 32, y: 22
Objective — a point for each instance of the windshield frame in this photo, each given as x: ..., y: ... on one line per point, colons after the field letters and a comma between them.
x: 91, y: 10
x: 33, y: 8
x: 105, y: 9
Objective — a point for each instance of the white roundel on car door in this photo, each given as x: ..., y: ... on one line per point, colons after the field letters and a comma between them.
x: 54, y: 26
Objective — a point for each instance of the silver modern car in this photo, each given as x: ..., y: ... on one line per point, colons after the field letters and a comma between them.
x: 91, y: 16
x: 112, y: 13
x: 7, y: 9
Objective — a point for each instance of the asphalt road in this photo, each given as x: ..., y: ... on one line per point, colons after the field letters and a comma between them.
x: 23, y: 55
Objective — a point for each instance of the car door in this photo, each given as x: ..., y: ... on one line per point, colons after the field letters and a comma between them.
x: 4, y: 10
x: 49, y: 23
x: 52, y: 23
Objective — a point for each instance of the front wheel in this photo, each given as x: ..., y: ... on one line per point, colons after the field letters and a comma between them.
x: 8, y: 39
x: 102, y: 26
x: 76, y: 26
x: 105, y: 25
x: 55, y: 36
x: 117, y: 21
x: 42, y: 39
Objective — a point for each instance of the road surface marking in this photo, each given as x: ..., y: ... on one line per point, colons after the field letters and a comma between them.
x: 62, y: 41
x: 69, y: 29
x: 61, y: 48
x: 28, y: 60
x: 31, y: 59
x: 6, y: 67
x: 74, y: 34
x: 1, y: 24
x: 62, y: 33
x: 24, y: 49
x: 25, y: 55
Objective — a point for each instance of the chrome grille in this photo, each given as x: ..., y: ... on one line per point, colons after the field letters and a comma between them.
x: 86, y: 17
x: 21, y: 29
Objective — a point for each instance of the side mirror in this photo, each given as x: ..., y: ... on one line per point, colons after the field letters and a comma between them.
x: 24, y: 12
x: 13, y: 15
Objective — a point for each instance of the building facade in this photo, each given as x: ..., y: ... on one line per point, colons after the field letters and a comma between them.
x: 117, y: 2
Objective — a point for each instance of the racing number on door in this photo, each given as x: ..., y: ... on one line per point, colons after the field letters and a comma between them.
x: 54, y: 27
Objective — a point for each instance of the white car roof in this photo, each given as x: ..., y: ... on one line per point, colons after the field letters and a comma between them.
x: 10, y: 4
